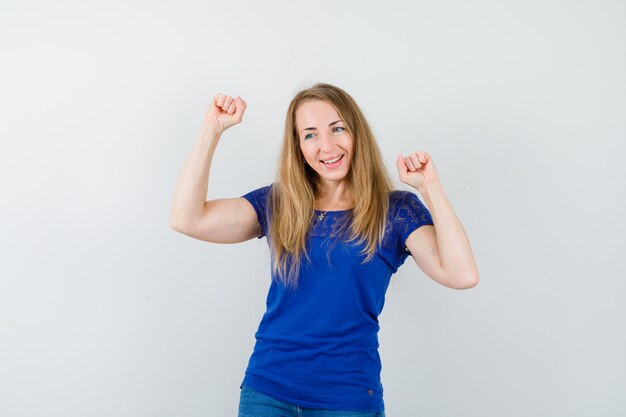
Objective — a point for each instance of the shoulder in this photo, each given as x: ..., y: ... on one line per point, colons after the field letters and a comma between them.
x: 395, y: 195
x: 407, y: 204
x: 265, y: 189
x: 259, y: 198
x: 261, y: 192
x: 399, y: 198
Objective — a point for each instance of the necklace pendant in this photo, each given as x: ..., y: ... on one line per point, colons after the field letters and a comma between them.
x: 321, y: 216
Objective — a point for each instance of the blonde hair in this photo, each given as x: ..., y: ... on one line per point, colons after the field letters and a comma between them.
x: 292, y: 200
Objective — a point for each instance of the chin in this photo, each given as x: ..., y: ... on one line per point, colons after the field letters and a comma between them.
x: 336, y: 177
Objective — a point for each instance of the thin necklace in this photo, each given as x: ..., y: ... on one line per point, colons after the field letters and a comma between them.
x: 323, y: 213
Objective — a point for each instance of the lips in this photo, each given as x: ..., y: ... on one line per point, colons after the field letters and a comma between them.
x: 332, y: 160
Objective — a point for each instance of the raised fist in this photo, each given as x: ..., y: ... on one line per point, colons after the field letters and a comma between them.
x: 417, y: 169
x: 225, y: 111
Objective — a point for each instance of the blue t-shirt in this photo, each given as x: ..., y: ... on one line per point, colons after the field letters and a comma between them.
x: 317, y: 345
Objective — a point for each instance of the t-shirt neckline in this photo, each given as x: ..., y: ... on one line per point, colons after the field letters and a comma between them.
x: 332, y: 211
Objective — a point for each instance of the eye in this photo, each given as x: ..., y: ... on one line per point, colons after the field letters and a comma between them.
x: 334, y: 130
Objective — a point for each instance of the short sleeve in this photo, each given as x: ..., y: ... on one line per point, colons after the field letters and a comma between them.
x: 259, y: 200
x: 410, y: 214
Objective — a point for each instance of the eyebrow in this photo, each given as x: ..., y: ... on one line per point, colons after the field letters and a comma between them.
x: 314, y: 128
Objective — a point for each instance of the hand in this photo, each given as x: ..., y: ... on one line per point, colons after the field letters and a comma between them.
x: 225, y: 111
x: 417, y: 170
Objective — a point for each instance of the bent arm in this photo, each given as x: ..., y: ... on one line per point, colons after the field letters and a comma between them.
x: 443, y: 252
x: 226, y: 220
x: 191, y: 188
x: 229, y: 220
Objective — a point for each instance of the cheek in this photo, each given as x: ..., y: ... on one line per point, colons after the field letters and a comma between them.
x: 302, y: 151
x: 307, y: 153
x: 348, y: 143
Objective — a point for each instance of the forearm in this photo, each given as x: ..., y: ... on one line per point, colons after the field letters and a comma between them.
x: 191, y: 189
x: 453, y: 244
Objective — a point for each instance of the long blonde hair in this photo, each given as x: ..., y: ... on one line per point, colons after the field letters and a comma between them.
x: 292, y: 200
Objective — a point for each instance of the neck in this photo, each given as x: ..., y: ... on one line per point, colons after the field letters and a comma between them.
x: 333, y: 196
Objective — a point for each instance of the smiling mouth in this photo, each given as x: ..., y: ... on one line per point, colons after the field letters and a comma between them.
x: 332, y: 161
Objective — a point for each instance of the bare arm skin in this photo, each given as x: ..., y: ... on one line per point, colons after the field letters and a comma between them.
x: 442, y: 251
x: 226, y: 220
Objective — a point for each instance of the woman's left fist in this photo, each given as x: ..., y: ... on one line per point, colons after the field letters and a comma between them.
x: 417, y: 169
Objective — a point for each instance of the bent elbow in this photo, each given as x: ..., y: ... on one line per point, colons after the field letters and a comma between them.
x: 469, y: 282
x: 176, y: 225
x: 463, y: 282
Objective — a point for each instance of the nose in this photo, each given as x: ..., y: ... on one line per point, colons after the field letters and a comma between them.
x: 327, y: 142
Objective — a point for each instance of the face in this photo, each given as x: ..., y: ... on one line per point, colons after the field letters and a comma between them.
x: 324, y: 140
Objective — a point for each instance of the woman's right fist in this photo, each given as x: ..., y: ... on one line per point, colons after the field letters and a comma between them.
x: 225, y: 111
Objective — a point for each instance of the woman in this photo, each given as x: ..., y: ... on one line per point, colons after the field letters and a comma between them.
x: 337, y: 232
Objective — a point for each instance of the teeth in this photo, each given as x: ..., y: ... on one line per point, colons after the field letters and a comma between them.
x: 330, y: 161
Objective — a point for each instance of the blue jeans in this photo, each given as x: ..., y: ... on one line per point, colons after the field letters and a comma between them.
x: 252, y: 403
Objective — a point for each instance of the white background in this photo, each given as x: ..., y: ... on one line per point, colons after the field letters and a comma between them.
x: 106, y: 311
